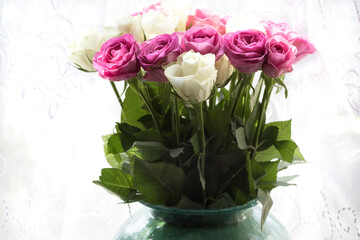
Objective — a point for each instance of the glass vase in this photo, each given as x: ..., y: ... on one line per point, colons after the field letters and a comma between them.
x: 240, y: 222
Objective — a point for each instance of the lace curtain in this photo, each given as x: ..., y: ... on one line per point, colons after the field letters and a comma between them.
x: 52, y: 117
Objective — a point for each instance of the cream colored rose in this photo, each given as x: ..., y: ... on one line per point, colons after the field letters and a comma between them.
x: 158, y: 22
x: 180, y: 8
x: 131, y: 24
x: 82, y: 52
x: 224, y: 68
x: 193, y: 76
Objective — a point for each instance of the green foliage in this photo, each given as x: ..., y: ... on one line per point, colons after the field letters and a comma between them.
x: 134, y: 109
x: 156, y: 151
x: 284, y: 129
x: 267, y: 155
x: 223, y: 201
x: 267, y: 202
x: 251, y: 124
x: 217, y: 125
x: 118, y: 182
x: 286, y: 149
x: 241, y: 138
x: 148, y: 151
x: 159, y: 183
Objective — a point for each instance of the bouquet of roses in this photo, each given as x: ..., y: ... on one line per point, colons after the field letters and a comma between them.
x: 193, y: 130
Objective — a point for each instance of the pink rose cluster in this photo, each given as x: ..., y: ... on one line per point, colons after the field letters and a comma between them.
x: 274, y: 52
x: 204, y: 17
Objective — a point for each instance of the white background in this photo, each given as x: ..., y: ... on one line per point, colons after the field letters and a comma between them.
x: 52, y: 117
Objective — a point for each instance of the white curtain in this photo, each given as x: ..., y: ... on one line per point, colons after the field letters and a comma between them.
x: 52, y: 117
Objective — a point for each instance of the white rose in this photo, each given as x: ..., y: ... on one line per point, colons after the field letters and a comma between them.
x: 224, y: 68
x: 131, y: 24
x: 82, y: 52
x: 158, y: 22
x: 181, y: 8
x: 193, y: 76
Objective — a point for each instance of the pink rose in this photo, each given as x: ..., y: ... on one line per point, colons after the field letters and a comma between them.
x: 205, y: 17
x: 275, y: 28
x: 281, y: 56
x: 158, y: 52
x: 303, y: 46
x: 155, y: 7
x: 246, y: 49
x: 117, y: 58
x: 203, y: 40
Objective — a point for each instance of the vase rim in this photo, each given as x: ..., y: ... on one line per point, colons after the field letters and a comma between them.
x: 247, y: 205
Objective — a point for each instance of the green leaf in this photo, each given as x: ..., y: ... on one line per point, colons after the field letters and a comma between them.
x: 267, y: 155
x: 279, y: 81
x: 227, y: 178
x: 126, y: 128
x: 160, y: 183
x: 266, y: 201
x: 118, y: 142
x: 232, y: 156
x: 287, y: 179
x: 126, y: 141
x: 176, y: 152
x: 194, y: 140
x: 240, y: 138
x: 272, y: 185
x: 241, y: 197
x: 270, y: 169
x: 268, y: 137
x: 287, y: 149
x: 258, y: 171
x: 148, y: 151
x: 238, y: 188
x: 284, y: 165
x: 114, y: 160
x: 149, y: 136
x: 266, y: 182
x: 224, y: 201
x: 250, y: 125
x: 280, y: 182
x: 201, y: 176
x: 284, y: 129
x: 255, y: 95
x: 147, y: 121
x: 113, y: 144
x: 298, y: 156
x: 217, y: 121
x: 117, y: 182
x: 224, y: 96
x: 116, y: 177
x: 119, y: 160
x: 106, y: 138
x: 217, y: 126
x: 186, y: 203
x: 193, y: 188
x: 133, y: 108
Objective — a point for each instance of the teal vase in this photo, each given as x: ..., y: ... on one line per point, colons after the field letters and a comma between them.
x: 166, y: 223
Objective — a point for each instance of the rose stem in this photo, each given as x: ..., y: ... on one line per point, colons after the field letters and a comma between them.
x: 200, y: 118
x: 118, y: 98
x: 147, y: 103
x: 238, y: 94
x: 265, y: 100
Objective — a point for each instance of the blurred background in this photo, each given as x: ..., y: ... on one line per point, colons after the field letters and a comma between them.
x: 52, y: 117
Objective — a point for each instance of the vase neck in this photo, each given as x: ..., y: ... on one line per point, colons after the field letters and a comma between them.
x: 203, y: 217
